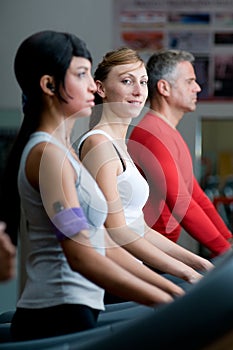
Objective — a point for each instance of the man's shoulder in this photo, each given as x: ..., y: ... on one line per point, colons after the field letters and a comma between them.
x: 150, y: 125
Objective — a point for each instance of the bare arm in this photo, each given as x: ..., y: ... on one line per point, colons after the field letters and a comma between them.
x: 128, y: 262
x: 101, y: 160
x: 106, y: 273
x: 150, y: 254
x: 7, y: 255
x: 176, y: 251
x: 56, y: 169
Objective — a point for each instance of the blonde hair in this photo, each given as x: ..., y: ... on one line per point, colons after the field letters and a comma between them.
x: 120, y: 56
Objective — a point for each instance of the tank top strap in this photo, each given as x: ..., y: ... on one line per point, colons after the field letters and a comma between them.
x: 41, y: 136
x: 101, y: 132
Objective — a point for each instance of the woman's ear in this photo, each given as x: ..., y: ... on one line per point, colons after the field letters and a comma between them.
x: 47, y: 85
x: 100, y: 88
x: 163, y: 87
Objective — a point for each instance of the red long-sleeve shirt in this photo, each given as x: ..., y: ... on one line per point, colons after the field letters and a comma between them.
x: 176, y: 199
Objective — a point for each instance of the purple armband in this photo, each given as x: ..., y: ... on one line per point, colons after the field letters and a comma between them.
x: 68, y: 222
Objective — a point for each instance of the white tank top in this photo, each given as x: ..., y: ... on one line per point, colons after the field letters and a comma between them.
x: 132, y: 187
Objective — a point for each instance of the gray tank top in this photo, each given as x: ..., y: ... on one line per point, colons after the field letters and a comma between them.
x: 50, y: 280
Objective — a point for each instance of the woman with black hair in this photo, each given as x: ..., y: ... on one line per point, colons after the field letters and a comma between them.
x: 70, y: 259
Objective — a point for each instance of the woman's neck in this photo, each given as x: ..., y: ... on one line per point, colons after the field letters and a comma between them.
x: 59, y: 128
x: 115, y: 130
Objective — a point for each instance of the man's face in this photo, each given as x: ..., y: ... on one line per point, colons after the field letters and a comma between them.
x: 184, y: 89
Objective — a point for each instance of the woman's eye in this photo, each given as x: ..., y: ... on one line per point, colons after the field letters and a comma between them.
x: 81, y: 74
x: 144, y: 82
x: 127, y: 82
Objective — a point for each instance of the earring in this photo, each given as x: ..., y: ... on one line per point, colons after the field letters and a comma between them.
x: 50, y: 87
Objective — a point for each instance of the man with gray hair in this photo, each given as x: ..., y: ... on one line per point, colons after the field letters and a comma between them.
x: 176, y: 200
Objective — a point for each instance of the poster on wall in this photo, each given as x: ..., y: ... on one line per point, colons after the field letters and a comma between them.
x: 203, y: 27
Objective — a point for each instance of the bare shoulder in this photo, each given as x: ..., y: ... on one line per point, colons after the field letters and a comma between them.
x: 44, y: 156
x: 95, y: 139
x: 95, y: 142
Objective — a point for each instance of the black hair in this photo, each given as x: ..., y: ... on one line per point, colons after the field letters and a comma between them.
x: 43, y: 53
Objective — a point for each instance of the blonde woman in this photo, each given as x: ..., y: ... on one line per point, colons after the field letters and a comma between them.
x: 121, y: 80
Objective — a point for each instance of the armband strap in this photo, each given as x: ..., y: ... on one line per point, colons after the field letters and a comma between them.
x: 68, y: 222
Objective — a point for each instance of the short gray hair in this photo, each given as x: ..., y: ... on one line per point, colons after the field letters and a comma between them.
x: 162, y: 64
